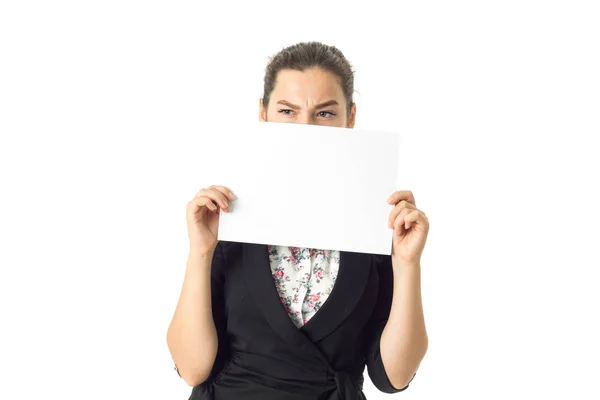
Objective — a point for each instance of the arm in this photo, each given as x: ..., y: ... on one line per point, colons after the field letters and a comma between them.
x: 192, y: 336
x: 404, y: 339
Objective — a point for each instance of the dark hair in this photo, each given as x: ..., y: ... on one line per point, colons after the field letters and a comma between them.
x: 305, y: 55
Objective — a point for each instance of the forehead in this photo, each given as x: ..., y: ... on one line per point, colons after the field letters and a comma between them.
x: 315, y: 84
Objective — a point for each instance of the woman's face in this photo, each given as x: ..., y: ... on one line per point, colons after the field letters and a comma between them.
x: 313, y: 96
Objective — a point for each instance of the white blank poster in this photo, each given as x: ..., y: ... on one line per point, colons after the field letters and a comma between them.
x: 308, y: 186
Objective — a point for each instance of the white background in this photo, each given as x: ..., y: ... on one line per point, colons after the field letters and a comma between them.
x: 106, y: 111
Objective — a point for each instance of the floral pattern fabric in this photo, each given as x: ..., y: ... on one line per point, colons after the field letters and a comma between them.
x: 304, y: 279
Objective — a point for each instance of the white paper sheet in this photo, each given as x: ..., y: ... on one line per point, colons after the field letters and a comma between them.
x: 308, y: 186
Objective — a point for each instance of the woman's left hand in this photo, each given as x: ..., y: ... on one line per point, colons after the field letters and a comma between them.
x: 410, y: 228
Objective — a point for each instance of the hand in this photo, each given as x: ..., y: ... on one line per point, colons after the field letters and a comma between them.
x: 202, y: 214
x: 410, y: 228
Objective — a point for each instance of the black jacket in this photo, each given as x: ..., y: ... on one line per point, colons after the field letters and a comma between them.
x: 262, y: 355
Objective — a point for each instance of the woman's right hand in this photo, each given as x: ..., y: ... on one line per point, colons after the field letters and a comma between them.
x: 203, y: 217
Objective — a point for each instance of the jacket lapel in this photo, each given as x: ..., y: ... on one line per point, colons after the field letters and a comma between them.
x: 349, y: 287
x: 257, y: 271
x: 352, y: 279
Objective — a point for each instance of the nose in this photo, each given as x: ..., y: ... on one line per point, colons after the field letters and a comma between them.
x: 305, y: 119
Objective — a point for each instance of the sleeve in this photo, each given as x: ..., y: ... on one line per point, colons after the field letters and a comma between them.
x: 218, y: 308
x: 377, y: 323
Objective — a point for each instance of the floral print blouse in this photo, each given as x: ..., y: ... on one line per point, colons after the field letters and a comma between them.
x: 304, y: 278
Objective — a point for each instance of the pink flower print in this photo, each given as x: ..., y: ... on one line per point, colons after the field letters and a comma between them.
x: 279, y: 274
x: 320, y: 274
x: 315, y: 297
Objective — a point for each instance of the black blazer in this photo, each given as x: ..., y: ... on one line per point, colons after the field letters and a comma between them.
x: 262, y: 355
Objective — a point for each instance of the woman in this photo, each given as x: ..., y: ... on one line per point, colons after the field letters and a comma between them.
x: 264, y: 322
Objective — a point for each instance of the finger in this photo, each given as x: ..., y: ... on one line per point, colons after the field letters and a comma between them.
x: 399, y: 221
x: 211, y: 205
x: 225, y: 190
x: 397, y: 209
x: 198, y: 202
x: 213, y: 194
x: 400, y: 195
x: 416, y: 216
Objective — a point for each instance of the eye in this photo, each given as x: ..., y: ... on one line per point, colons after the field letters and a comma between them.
x: 286, y: 111
x: 326, y: 114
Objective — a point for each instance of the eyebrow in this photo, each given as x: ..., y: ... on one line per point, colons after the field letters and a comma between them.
x: 318, y: 106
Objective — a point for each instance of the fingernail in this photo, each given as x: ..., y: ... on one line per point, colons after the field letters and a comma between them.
x: 232, y: 196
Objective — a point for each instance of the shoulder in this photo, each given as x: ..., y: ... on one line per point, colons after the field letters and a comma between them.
x: 383, y: 263
x: 225, y: 253
x: 228, y: 249
x: 385, y: 274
